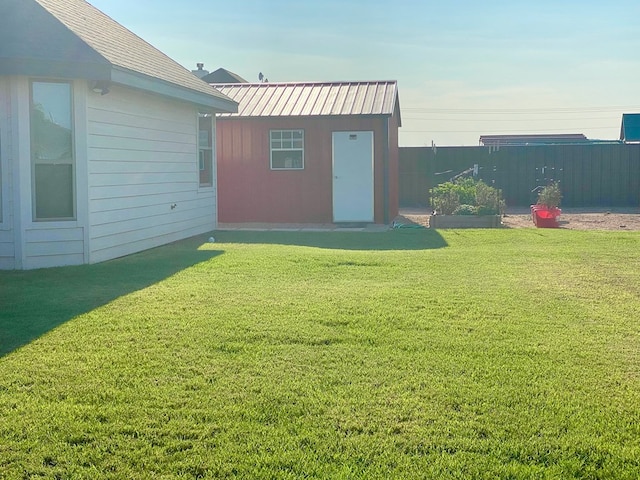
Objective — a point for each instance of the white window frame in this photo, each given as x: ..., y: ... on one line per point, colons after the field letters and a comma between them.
x: 278, y: 143
x: 203, y: 148
x: 71, y: 162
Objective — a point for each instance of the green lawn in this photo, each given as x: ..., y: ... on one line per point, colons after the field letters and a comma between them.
x: 404, y: 354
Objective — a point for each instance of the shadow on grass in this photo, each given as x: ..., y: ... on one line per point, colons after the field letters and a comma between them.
x: 36, y: 301
x: 399, y: 239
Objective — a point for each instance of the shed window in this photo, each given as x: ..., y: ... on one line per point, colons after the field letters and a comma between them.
x: 52, y: 159
x: 205, y: 150
x: 287, y: 149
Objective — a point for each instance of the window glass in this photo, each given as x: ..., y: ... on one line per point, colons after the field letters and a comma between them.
x: 205, y: 150
x: 205, y: 139
x: 52, y: 151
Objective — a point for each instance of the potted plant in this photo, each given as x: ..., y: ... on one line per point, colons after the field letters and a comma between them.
x: 466, y: 203
x: 546, y: 211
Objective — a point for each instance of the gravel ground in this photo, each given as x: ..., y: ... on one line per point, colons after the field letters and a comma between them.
x: 571, y: 218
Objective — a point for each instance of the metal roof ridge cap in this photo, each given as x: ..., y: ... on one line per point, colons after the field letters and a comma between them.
x: 310, y: 82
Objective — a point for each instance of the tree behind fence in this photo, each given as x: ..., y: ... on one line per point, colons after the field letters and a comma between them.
x: 604, y: 175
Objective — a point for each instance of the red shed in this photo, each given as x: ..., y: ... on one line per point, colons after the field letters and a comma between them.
x: 311, y: 152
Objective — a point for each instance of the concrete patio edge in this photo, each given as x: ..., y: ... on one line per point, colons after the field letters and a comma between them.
x: 302, y: 227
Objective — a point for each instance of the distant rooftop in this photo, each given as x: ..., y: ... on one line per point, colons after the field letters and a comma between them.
x: 222, y: 75
x: 313, y: 98
x: 538, y: 139
x: 200, y: 71
x: 630, y: 128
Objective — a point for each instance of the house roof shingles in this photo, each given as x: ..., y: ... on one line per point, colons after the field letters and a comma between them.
x: 73, y: 39
x: 313, y: 98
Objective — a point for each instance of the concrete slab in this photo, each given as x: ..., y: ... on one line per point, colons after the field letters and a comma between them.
x: 300, y: 227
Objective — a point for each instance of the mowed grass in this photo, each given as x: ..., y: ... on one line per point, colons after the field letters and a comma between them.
x: 404, y: 354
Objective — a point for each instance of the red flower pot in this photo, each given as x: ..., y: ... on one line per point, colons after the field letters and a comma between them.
x: 545, y: 217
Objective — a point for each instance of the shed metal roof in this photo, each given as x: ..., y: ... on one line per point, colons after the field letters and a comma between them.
x: 292, y: 99
x: 630, y: 128
x: 73, y: 39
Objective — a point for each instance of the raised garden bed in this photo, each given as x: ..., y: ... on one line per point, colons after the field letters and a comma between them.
x: 466, y: 203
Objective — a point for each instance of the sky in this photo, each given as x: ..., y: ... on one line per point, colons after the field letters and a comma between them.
x: 465, y: 68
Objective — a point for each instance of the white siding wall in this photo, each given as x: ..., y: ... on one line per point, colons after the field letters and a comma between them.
x: 7, y: 250
x: 143, y: 174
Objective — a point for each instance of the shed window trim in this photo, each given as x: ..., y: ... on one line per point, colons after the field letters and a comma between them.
x: 286, y: 149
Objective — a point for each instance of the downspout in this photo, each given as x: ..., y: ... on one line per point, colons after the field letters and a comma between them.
x: 385, y: 168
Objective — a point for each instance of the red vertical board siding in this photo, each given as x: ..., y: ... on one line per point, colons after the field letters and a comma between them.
x: 249, y: 191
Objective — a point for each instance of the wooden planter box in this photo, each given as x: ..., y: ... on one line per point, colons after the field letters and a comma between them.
x: 465, y: 221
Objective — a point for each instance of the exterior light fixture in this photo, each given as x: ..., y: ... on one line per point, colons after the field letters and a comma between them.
x: 99, y: 86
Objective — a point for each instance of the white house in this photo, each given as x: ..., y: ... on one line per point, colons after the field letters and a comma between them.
x: 106, y: 144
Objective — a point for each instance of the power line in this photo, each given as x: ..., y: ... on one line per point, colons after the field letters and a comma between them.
x: 546, y: 130
x: 508, y: 119
x: 519, y: 111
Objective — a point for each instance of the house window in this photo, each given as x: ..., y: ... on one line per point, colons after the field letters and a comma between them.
x: 205, y: 150
x: 287, y: 149
x: 52, y: 162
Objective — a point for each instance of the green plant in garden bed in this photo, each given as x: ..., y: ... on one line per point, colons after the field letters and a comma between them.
x: 550, y: 196
x: 467, y: 197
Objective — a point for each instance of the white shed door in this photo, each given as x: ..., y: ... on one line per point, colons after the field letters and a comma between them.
x: 353, y: 176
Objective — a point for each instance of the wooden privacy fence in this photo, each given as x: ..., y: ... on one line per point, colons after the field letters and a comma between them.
x: 603, y: 175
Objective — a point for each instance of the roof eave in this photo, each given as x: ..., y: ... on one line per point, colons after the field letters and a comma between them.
x: 55, y: 68
x: 213, y: 103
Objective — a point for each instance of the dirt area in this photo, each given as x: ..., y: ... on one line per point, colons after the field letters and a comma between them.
x: 571, y: 218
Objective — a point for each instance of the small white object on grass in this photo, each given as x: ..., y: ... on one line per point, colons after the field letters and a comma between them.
x: 212, y: 240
